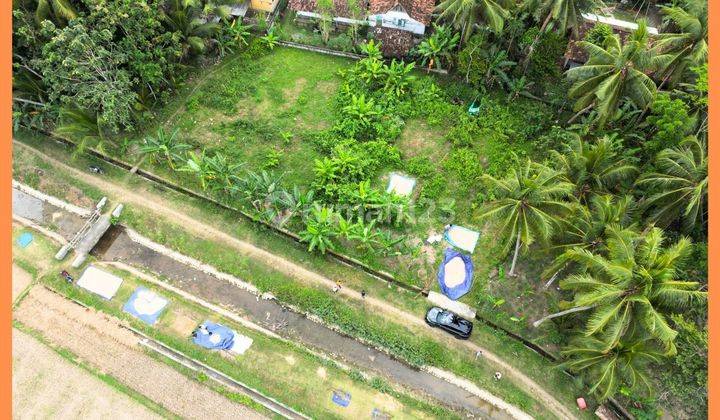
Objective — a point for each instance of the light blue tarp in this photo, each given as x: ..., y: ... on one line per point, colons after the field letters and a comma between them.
x: 25, y: 239
x: 457, y: 290
x: 214, y: 336
x: 145, y: 305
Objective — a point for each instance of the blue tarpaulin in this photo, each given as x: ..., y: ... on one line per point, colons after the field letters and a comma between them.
x: 341, y: 398
x: 455, y: 274
x: 214, y: 336
x: 25, y: 239
x: 145, y: 305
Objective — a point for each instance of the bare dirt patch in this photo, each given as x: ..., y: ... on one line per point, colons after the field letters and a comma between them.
x: 327, y: 87
x: 322, y: 373
x: 20, y: 280
x: 47, y: 386
x: 73, y: 195
x: 183, y: 324
x: 100, y: 341
x: 291, y: 94
x: 419, y: 139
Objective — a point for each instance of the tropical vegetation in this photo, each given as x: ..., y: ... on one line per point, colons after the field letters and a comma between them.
x: 607, y: 200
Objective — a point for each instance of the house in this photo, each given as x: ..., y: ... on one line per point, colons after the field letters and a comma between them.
x: 397, y: 24
x: 267, y: 6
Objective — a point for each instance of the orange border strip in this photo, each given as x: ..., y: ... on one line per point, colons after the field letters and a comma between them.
x: 5, y: 215
x: 713, y: 207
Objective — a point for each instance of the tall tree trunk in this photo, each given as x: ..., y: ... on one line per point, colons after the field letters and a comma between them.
x: 582, y: 111
x: 517, y: 251
x: 28, y: 101
x: 554, y: 276
x: 531, y: 49
x: 561, y: 313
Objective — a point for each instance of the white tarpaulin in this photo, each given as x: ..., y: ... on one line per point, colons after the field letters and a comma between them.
x: 461, y: 237
x: 100, y: 282
x: 400, y: 185
x: 438, y: 299
x: 241, y: 343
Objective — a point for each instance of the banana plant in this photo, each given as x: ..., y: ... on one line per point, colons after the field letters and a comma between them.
x: 319, y: 230
x: 197, y: 165
x: 398, y: 78
x: 270, y: 40
x: 438, y: 47
x: 164, y: 147
x: 366, y: 235
x: 225, y: 172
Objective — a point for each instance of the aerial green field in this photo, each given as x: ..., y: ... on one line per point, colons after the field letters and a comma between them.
x: 266, y: 114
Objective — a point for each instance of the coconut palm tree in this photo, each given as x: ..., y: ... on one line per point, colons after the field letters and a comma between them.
x: 613, y: 74
x: 566, y: 15
x: 79, y: 126
x: 529, y: 205
x: 465, y: 14
x: 165, y: 147
x: 59, y: 12
x: 679, y: 188
x: 680, y: 50
x: 594, y: 168
x: 624, y: 364
x: 586, y: 228
x: 632, y: 285
x: 185, y: 18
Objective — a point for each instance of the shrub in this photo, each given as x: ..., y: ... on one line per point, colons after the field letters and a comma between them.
x: 465, y: 132
x: 598, y: 33
x: 544, y: 62
x: 431, y: 188
x: 670, y: 121
x: 342, y: 42
x: 464, y: 165
x: 420, y: 166
x: 470, y: 65
x: 685, y: 377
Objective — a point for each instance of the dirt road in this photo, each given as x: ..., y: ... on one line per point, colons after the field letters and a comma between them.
x: 100, y: 341
x: 162, y: 207
x: 20, y: 280
x: 47, y: 386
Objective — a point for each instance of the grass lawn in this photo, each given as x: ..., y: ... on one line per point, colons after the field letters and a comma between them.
x: 248, y: 110
x: 298, y: 378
